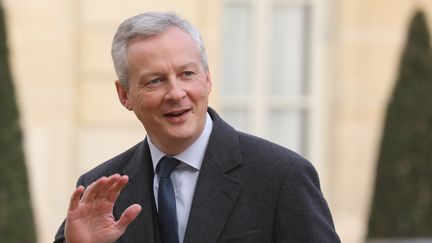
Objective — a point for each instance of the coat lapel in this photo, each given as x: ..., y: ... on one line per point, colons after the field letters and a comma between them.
x: 139, y: 190
x: 216, y: 191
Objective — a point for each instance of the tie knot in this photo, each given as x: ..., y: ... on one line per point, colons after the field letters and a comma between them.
x: 167, y: 165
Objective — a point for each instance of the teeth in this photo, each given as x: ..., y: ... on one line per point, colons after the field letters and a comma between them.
x: 176, y: 113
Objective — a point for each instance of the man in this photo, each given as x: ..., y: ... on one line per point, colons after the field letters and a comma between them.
x: 222, y: 185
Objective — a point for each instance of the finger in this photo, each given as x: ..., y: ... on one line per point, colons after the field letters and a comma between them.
x: 128, y: 216
x: 91, y: 191
x: 104, y: 189
x: 75, y: 198
x: 115, y: 189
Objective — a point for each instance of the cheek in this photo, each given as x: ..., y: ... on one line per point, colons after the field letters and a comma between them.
x: 201, y: 90
x: 135, y: 101
x: 206, y: 91
x: 149, y: 102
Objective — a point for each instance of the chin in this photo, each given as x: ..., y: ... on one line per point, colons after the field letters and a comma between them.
x: 184, y: 134
x: 181, y: 136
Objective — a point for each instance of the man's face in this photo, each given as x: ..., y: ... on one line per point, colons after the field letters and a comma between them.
x: 168, y: 88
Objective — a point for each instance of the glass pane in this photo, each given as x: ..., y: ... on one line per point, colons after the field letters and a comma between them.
x: 238, y: 118
x: 235, y: 49
x: 287, y: 128
x: 288, y: 50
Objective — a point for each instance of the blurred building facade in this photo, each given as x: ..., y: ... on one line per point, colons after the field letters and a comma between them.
x: 313, y: 75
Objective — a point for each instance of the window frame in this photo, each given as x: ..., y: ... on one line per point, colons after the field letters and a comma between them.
x: 315, y: 101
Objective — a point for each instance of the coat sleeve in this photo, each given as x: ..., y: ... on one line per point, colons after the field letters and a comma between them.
x: 59, y: 237
x: 302, y: 213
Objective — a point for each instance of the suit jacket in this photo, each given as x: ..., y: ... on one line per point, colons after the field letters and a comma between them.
x: 248, y: 190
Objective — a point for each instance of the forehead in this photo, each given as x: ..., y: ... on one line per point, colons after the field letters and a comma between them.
x: 173, y: 45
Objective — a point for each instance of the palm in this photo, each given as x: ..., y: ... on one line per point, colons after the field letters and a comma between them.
x: 90, y: 219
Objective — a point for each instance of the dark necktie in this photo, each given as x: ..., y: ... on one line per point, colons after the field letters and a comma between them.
x: 167, y: 202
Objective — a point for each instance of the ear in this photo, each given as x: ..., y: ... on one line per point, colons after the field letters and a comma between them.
x: 208, y: 80
x: 123, y: 95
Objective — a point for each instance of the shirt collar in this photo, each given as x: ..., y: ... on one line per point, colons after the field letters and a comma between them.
x: 193, y: 155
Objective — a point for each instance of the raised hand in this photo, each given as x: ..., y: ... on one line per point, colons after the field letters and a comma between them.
x: 90, y: 219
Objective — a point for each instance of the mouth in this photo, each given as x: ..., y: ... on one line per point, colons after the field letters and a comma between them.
x: 177, y: 113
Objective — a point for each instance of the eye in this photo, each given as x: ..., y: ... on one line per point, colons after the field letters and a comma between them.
x: 188, y: 74
x: 154, y: 81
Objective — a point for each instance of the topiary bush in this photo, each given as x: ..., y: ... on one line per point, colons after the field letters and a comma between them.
x: 402, y: 200
x: 16, y: 217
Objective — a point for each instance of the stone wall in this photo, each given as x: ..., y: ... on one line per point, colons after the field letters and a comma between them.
x: 72, y: 120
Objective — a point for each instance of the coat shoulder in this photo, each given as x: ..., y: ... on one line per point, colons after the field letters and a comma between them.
x: 260, y: 152
x: 109, y: 167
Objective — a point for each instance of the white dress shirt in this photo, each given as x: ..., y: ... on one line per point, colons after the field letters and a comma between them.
x: 184, y: 177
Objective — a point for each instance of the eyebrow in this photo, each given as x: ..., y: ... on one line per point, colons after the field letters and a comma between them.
x: 149, y: 74
x: 187, y: 65
x: 182, y: 67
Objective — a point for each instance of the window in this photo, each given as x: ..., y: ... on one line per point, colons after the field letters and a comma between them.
x: 265, y: 86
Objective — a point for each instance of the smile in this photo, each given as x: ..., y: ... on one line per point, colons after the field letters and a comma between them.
x: 177, y: 113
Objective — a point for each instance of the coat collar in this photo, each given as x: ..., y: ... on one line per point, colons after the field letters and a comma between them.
x: 139, y: 190
x: 216, y: 191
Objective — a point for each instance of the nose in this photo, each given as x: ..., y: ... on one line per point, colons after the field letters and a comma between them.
x: 175, y: 90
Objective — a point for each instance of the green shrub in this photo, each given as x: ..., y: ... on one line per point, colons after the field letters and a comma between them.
x: 16, y: 218
x: 402, y: 201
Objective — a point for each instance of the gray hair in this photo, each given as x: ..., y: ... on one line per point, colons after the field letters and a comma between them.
x: 146, y: 25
